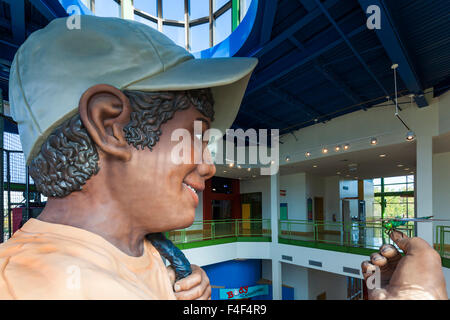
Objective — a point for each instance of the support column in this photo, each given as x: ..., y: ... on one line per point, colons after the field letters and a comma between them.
x: 424, y: 185
x: 127, y: 9
x: 274, y: 217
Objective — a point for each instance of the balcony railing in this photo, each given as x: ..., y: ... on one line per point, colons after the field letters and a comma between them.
x: 442, y: 242
x: 331, y: 235
x: 238, y: 229
x: 369, y: 235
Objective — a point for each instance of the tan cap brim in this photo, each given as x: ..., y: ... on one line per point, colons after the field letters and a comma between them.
x: 227, y: 78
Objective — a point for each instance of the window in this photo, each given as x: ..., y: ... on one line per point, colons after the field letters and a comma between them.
x: 173, y: 9
x: 148, y: 6
x: 198, y: 9
x: 175, y: 33
x: 199, y: 37
x: 107, y: 8
x: 219, y: 4
x: 394, y: 196
x: 146, y: 21
x: 244, y: 4
x: 222, y: 27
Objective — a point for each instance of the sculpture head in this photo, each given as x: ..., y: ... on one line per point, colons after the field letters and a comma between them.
x: 96, y: 108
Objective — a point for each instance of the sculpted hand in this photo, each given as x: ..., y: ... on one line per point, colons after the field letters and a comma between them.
x: 415, y: 276
x: 194, y: 287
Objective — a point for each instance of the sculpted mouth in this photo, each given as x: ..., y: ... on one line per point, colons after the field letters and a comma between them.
x: 190, y: 187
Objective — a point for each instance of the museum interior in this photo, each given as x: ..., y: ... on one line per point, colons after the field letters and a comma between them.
x: 354, y: 98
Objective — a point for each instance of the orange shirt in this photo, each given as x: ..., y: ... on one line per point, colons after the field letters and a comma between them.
x: 52, y: 261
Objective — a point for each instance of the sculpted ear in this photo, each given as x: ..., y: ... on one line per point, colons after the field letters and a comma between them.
x: 105, y: 111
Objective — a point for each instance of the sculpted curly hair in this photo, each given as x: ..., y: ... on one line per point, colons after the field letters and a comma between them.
x: 69, y: 157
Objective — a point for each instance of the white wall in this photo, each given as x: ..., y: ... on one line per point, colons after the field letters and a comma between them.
x: 295, y: 186
x: 334, y: 285
x: 296, y: 277
x: 441, y: 187
x: 332, y: 199
x: 369, y: 197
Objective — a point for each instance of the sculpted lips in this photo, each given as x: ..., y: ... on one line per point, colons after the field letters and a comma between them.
x: 193, y: 190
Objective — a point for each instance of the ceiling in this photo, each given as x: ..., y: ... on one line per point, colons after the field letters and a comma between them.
x: 398, y: 159
x: 317, y: 58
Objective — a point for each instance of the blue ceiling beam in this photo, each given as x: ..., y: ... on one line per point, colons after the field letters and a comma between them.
x: 309, y: 5
x: 291, y: 100
x: 332, y: 76
x: 270, y: 8
x: 293, y: 29
x: 18, y: 20
x: 50, y: 9
x: 347, y: 41
x: 295, y: 59
x: 7, y: 50
x: 396, y: 51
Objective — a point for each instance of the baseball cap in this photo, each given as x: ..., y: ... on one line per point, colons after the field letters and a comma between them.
x: 56, y: 65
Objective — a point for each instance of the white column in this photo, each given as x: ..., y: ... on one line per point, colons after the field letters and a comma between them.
x: 274, y: 216
x: 424, y: 185
x: 127, y: 9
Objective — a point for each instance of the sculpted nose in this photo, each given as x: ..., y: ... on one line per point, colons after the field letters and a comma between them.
x: 207, y: 169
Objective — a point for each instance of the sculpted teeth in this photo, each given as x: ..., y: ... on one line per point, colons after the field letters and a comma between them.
x: 190, y: 187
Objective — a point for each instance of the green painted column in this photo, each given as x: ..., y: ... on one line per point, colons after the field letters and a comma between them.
x: 235, y: 19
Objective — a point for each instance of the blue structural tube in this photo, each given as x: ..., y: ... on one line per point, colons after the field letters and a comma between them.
x: 231, y: 45
x: 66, y: 4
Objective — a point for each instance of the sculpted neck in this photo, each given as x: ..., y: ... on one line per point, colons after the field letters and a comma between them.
x: 98, y: 211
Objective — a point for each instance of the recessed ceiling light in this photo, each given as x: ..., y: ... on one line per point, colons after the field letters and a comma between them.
x: 373, y: 141
x: 346, y: 146
x: 406, y: 169
x: 338, y: 172
x: 315, y: 166
x: 410, y: 136
x: 337, y: 148
x: 382, y: 156
x: 239, y: 166
x: 231, y: 165
x: 288, y: 159
x: 325, y: 150
x: 399, y: 165
x: 272, y: 162
x: 249, y: 169
x: 254, y: 176
x: 308, y: 154
x: 224, y: 171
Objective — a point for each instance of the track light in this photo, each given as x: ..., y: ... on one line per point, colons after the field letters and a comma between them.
x: 410, y: 136
x: 373, y: 141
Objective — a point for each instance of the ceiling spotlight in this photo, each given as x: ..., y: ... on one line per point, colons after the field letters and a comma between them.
x: 399, y: 165
x: 337, y: 148
x: 315, y: 166
x: 248, y: 169
x: 224, y: 171
x: 382, y: 155
x: 346, y: 146
x: 410, y: 136
x: 324, y: 150
x: 239, y: 166
x: 231, y: 165
x: 308, y: 154
x: 288, y: 159
x: 338, y: 172
x: 373, y: 141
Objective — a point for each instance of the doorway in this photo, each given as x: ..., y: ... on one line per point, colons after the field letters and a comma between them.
x: 318, y: 215
x: 251, y: 204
